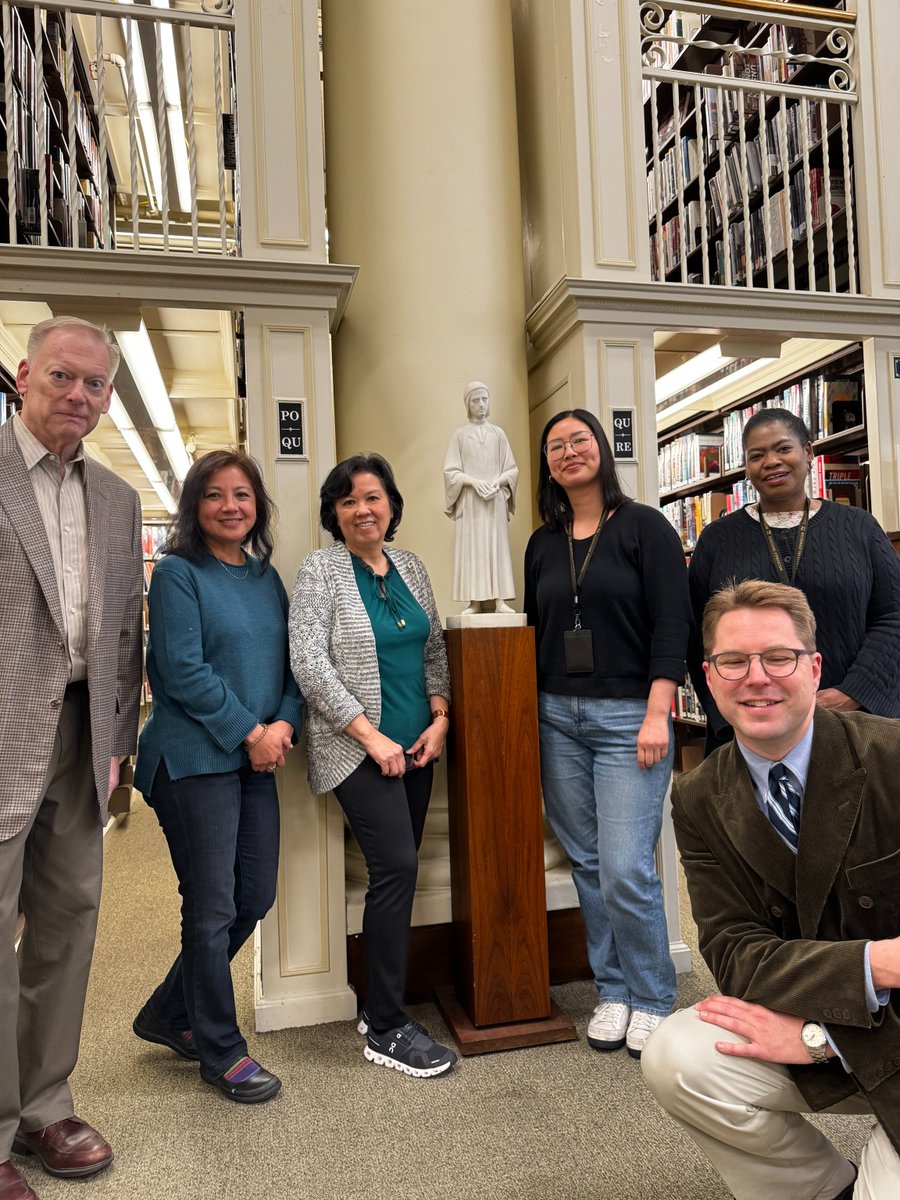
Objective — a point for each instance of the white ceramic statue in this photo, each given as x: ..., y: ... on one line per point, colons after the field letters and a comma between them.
x: 480, y: 476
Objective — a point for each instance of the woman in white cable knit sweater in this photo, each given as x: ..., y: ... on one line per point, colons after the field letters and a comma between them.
x: 368, y: 652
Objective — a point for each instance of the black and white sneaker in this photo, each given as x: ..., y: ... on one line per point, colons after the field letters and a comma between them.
x: 363, y: 1027
x: 408, y: 1049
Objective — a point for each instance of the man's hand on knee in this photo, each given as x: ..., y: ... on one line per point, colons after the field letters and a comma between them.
x: 771, y: 1036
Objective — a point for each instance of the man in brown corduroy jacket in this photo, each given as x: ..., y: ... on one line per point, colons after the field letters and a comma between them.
x: 790, y: 841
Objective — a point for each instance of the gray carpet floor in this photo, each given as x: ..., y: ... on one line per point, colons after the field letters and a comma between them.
x: 554, y: 1123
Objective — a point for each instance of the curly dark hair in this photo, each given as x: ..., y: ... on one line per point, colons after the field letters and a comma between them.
x: 185, y: 535
x: 553, y: 503
x: 777, y: 416
x: 339, y: 484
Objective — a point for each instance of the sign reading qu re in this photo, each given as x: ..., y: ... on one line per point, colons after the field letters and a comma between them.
x: 623, y: 433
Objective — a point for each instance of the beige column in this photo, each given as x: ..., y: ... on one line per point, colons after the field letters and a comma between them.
x: 301, y: 961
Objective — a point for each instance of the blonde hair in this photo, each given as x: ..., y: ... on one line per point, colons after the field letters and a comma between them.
x: 757, y: 593
x: 42, y: 331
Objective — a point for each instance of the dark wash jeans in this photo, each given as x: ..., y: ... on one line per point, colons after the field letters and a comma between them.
x: 223, y: 833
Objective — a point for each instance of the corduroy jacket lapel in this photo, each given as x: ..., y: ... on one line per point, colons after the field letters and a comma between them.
x: 97, y: 517
x: 831, y: 802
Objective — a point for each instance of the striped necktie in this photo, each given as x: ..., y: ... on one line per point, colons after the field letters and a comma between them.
x: 783, y: 804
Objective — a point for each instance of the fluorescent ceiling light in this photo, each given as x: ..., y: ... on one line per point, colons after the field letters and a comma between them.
x: 125, y: 426
x: 700, y: 366
x: 137, y: 350
x: 174, y: 113
x: 719, y: 384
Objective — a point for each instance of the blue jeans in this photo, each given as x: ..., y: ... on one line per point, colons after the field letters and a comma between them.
x: 223, y: 833
x: 607, y: 813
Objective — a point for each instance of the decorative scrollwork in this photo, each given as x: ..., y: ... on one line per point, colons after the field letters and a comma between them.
x: 223, y: 8
x: 653, y: 16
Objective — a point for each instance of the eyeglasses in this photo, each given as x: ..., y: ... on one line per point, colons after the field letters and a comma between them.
x: 777, y: 663
x: 580, y: 444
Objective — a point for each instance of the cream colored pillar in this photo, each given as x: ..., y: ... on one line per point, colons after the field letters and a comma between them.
x: 301, y: 962
x: 423, y: 193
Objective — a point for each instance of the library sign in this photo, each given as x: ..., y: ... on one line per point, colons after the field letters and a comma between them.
x: 623, y: 434
x: 292, y: 429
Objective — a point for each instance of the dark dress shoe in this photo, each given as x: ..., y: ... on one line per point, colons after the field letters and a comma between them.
x: 152, y: 1029
x: 69, y: 1148
x: 261, y: 1085
x: 13, y: 1186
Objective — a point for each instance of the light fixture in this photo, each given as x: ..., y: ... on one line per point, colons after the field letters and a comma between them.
x: 748, y: 351
x: 137, y: 350
x: 125, y: 426
x: 174, y: 113
x: 726, y: 379
x: 698, y: 367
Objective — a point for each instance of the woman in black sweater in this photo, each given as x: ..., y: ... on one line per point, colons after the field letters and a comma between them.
x: 606, y: 590
x: 837, y: 555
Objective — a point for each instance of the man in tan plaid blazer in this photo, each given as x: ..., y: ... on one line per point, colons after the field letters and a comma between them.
x: 70, y: 670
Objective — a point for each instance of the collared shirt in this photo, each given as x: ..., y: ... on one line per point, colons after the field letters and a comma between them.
x: 63, y: 508
x: 797, y: 762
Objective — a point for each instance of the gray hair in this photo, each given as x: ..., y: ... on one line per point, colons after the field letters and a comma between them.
x: 42, y: 331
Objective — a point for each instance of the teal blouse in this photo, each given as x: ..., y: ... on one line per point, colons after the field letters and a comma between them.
x: 405, y: 711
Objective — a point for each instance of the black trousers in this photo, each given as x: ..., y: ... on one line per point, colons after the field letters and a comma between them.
x: 387, y: 816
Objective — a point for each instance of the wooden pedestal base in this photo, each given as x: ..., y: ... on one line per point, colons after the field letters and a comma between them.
x: 471, y: 1039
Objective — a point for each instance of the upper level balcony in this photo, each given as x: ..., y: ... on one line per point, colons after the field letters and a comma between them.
x: 118, y: 126
x: 748, y: 119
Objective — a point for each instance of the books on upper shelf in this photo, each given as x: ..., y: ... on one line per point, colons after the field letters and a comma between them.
x: 839, y: 406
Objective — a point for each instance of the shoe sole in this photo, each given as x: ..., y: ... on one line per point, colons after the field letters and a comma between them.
x: 159, y: 1040
x: 385, y: 1060
x: 19, y: 1147
x: 598, y: 1044
x: 634, y: 1053
x: 259, y: 1097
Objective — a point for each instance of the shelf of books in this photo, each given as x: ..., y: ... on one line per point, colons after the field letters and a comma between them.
x: 153, y: 536
x: 35, y: 137
x: 701, y: 468
x: 747, y: 187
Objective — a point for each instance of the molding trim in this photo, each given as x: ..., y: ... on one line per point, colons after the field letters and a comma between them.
x: 182, y: 281
x: 571, y: 303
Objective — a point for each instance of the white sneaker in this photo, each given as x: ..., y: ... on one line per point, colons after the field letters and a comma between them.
x: 640, y: 1027
x: 606, y: 1030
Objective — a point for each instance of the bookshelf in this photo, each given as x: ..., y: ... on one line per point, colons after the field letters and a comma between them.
x: 746, y: 187
x: 153, y: 535
x: 701, y: 463
x: 34, y: 108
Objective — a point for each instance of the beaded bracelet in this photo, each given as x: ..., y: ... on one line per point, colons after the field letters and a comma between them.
x: 256, y: 740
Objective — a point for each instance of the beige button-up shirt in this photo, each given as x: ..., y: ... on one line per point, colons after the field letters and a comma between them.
x: 63, y: 507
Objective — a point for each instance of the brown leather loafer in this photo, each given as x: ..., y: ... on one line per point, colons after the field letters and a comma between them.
x: 13, y: 1186
x: 69, y: 1148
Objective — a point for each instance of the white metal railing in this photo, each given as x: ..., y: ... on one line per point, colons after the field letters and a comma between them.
x: 749, y: 147
x: 118, y: 125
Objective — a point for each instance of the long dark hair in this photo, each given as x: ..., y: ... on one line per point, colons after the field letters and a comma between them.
x: 339, y: 483
x: 553, y: 503
x: 185, y: 535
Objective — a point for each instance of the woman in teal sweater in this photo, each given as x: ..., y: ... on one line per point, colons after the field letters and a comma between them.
x: 226, y: 710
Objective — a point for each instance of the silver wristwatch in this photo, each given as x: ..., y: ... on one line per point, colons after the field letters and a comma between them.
x: 813, y: 1037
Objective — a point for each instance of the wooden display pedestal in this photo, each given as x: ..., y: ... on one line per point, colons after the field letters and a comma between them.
x: 502, y: 996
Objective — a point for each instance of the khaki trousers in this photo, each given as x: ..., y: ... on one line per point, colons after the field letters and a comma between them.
x: 53, y: 868
x: 745, y: 1116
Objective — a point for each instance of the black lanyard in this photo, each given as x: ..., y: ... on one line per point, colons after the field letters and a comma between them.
x: 576, y: 583
x: 799, y: 546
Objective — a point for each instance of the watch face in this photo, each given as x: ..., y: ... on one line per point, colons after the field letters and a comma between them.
x: 813, y: 1036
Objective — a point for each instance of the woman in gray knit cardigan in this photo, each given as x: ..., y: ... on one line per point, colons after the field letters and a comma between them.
x: 367, y: 650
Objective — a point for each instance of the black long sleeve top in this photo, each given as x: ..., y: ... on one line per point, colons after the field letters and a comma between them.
x: 850, y: 575
x: 634, y: 599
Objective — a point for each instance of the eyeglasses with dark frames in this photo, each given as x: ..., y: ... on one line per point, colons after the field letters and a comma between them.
x: 579, y: 442
x: 778, y: 663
